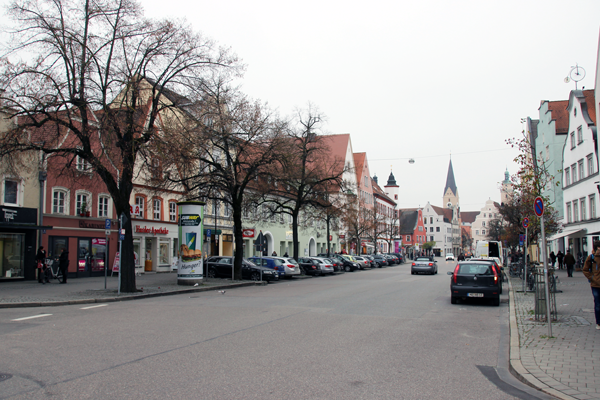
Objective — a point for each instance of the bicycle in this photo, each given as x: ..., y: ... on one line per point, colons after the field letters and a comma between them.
x: 52, y: 266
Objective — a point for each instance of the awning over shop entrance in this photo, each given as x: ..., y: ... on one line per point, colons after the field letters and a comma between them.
x: 568, y: 232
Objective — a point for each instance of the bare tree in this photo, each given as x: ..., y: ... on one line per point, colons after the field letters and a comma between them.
x: 358, y: 220
x: 95, y: 73
x: 228, y: 145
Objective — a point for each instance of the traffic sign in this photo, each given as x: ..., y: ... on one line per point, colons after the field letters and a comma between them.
x: 208, y: 233
x: 525, y: 222
x: 107, y: 223
x: 538, y: 206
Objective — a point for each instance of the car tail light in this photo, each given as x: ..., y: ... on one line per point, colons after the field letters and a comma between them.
x: 314, y: 266
x: 495, y: 275
x: 455, y: 272
x: 413, y: 264
x: 290, y: 266
x: 276, y: 268
x: 430, y: 264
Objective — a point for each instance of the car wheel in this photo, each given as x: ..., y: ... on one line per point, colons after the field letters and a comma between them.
x: 453, y: 300
x: 412, y: 272
x: 211, y: 273
x: 496, y: 302
x: 255, y: 276
x: 347, y: 268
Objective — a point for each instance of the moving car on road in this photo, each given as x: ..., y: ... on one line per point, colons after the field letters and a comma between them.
x: 449, y: 256
x: 475, y: 279
x: 424, y: 264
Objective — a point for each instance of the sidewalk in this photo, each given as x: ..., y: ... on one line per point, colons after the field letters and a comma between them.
x: 567, y: 365
x: 91, y: 290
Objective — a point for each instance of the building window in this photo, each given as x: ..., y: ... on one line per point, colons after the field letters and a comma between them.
x: 590, y: 163
x: 482, y: 223
x: 483, y: 231
x: 437, y: 228
x: 421, y: 229
x: 572, y: 140
x: 227, y: 209
x: 579, y: 134
x: 156, y: 209
x: 82, y: 165
x: 431, y: 229
x: 574, y: 173
x: 408, y: 238
x: 425, y: 220
x: 567, y: 176
x: 11, y: 192
x: 59, y: 198
x: 477, y: 232
x: 140, y: 202
x: 172, y: 211
x: 582, y: 208
x: 575, y: 211
x: 395, y: 197
x: 82, y: 203
x: 592, y: 206
x: 103, y: 206
x: 581, y: 171
x: 569, y: 217
x: 547, y: 152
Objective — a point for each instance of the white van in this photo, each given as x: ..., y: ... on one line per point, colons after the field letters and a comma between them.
x: 489, y: 249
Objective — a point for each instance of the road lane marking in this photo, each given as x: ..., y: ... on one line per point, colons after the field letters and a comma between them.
x: 35, y: 316
x: 99, y: 305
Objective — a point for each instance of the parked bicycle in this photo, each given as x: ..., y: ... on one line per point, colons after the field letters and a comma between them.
x: 52, y: 268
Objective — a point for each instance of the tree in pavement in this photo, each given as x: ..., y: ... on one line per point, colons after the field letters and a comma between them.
x: 90, y: 87
x: 358, y: 220
x: 227, y: 144
x: 306, y: 177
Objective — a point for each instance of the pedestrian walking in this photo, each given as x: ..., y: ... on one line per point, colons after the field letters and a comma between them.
x: 569, y: 262
x: 553, y: 258
x: 40, y: 259
x: 63, y: 264
x: 591, y: 270
x: 559, y: 257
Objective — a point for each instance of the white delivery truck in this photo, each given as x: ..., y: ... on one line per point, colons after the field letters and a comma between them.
x: 489, y: 249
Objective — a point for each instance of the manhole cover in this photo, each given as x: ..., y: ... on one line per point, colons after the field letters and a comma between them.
x: 4, y: 377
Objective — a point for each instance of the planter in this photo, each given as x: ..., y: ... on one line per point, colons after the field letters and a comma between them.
x: 87, y: 213
x: 82, y: 214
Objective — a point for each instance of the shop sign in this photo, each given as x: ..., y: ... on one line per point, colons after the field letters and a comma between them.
x: 19, y: 214
x: 154, y: 231
x: 115, y: 267
x: 190, y: 266
x: 342, y: 236
x: 90, y: 225
x: 330, y: 238
x: 248, y: 233
x: 289, y: 235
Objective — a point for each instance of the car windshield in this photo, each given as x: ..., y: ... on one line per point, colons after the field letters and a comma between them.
x: 423, y: 259
x: 475, y: 269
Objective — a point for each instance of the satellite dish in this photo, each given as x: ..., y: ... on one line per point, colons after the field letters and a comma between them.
x: 567, y: 80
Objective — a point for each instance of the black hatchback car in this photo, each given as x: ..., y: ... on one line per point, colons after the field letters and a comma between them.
x: 475, y: 279
x: 220, y: 267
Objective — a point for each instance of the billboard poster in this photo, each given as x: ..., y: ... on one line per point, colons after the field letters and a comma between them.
x: 191, y: 228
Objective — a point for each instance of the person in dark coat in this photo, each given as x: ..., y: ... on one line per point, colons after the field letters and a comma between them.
x: 40, y: 259
x: 569, y: 262
x: 591, y: 270
x: 553, y: 258
x: 63, y: 264
x: 560, y: 257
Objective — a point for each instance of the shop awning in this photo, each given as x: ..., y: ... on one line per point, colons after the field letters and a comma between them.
x: 568, y: 232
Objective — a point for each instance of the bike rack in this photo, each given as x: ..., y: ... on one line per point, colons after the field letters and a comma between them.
x: 540, y: 296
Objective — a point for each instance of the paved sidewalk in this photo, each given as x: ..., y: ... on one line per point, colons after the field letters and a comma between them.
x: 91, y: 290
x: 567, y: 365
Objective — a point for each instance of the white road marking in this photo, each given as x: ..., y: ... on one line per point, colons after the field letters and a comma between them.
x: 35, y: 316
x: 99, y: 305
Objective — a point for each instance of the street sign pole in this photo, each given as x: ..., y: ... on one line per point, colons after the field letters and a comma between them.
x: 525, y: 264
x: 107, y: 232
x: 547, y: 286
x: 120, y: 255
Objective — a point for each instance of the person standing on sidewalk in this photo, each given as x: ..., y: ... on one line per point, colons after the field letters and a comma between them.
x: 40, y: 259
x: 560, y: 257
x: 553, y: 259
x: 63, y: 264
x: 591, y: 270
x: 569, y: 262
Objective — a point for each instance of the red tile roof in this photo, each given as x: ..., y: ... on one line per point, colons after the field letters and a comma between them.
x: 558, y: 110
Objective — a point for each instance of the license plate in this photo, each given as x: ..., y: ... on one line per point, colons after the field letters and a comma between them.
x: 474, y: 294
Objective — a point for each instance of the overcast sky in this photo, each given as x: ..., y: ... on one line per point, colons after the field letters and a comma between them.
x: 419, y: 79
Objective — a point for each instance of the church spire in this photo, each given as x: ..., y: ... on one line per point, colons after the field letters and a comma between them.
x: 450, y: 182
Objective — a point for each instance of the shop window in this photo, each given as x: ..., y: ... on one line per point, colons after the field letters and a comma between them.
x: 59, y: 201
x: 156, y: 209
x: 11, y: 264
x: 163, y: 253
x: 11, y: 192
x: 103, y: 206
x: 172, y: 211
x: 136, y: 253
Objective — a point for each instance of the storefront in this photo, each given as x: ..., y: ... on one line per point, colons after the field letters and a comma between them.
x: 155, y: 245
x: 18, y: 238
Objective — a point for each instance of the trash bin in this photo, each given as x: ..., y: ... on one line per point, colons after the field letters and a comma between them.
x: 148, y: 265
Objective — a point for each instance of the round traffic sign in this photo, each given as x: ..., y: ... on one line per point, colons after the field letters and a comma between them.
x: 538, y: 206
x: 525, y: 222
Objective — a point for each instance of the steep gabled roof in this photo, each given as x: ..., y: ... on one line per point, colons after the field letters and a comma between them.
x: 378, y: 192
x: 338, y: 146
x: 469, y: 216
x: 450, y: 183
x: 559, y: 114
x: 359, y: 164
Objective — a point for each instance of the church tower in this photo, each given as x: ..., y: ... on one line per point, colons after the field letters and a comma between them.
x: 391, y: 188
x: 450, y: 198
x: 506, y: 189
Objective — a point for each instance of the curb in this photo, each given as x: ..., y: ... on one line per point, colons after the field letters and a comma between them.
x: 127, y: 298
x: 515, y: 366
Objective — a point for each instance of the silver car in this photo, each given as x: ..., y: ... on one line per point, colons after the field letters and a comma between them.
x: 290, y: 266
x: 362, y: 262
x: 326, y: 265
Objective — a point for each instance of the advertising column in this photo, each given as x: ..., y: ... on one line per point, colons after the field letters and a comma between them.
x: 190, y: 267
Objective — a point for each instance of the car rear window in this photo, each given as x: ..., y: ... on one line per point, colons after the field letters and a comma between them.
x: 475, y: 269
x: 292, y: 261
x: 423, y: 259
x: 278, y: 262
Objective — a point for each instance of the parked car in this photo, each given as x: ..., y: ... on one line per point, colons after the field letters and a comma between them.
x: 347, y: 264
x: 310, y: 266
x: 475, y: 279
x: 399, y: 256
x: 449, y: 256
x: 380, y: 260
x: 326, y: 264
x: 499, y: 269
x: 337, y: 264
x: 221, y: 267
x: 274, y: 264
x: 424, y: 264
x: 392, y: 258
x: 290, y: 266
x: 362, y: 262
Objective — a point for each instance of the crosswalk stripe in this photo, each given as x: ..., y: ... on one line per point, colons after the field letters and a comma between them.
x: 33, y: 316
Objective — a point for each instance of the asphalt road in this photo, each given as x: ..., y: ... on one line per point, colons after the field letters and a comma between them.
x: 375, y: 334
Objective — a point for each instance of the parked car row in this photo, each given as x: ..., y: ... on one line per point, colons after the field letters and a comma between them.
x: 273, y: 268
